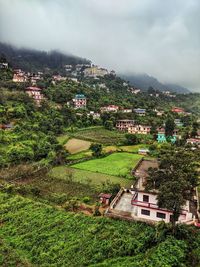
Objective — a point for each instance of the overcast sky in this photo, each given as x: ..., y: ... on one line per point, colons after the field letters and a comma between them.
x: 158, y: 37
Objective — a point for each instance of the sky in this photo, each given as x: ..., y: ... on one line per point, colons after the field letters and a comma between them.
x: 157, y: 37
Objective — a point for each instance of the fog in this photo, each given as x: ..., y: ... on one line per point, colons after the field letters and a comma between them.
x: 160, y: 38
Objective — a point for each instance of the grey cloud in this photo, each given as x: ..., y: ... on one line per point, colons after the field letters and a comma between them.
x: 161, y: 38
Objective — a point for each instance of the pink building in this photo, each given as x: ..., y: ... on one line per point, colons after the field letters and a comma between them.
x: 35, y: 93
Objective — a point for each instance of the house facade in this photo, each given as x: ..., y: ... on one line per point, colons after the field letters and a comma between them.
x: 110, y: 108
x: 139, y: 129
x: 35, y: 93
x: 140, y: 111
x: 123, y: 125
x: 80, y: 101
x: 145, y: 207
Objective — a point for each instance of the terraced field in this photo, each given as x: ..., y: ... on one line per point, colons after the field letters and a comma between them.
x: 118, y: 164
x: 88, y: 177
x: 76, y: 145
x: 100, y: 135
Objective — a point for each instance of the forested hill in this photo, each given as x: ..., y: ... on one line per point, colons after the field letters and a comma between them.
x: 144, y: 81
x: 34, y: 60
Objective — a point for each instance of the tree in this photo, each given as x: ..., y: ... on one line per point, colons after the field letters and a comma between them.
x: 131, y: 139
x: 175, y: 179
x: 109, y: 125
x: 195, y: 127
x: 96, y: 149
x: 169, y: 127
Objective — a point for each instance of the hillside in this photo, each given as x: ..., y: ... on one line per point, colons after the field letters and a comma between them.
x: 144, y: 81
x: 34, y: 60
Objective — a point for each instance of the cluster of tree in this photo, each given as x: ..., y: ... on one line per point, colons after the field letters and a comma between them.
x: 175, y: 179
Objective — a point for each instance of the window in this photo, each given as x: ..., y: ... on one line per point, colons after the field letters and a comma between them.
x: 145, y: 198
x: 161, y: 215
x: 145, y: 212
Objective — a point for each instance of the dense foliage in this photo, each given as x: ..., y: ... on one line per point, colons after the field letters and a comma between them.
x: 45, y: 236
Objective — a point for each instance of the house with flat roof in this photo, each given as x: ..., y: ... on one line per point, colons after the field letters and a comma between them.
x: 123, y: 125
x: 80, y: 101
x: 35, y: 93
x: 140, y: 111
x: 139, y: 129
x: 136, y: 203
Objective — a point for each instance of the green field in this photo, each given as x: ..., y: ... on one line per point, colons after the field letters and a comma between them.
x: 119, y: 164
x: 88, y: 177
x: 62, y: 139
x: 99, y: 135
x: 35, y: 234
x: 76, y: 145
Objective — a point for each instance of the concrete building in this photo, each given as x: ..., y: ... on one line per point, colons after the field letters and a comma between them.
x: 95, y: 71
x: 123, y: 125
x: 138, y: 204
x: 80, y: 101
x: 140, y: 111
x: 139, y: 129
x: 35, y: 93
x: 110, y: 108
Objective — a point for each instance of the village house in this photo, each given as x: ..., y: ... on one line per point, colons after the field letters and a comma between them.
x: 178, y: 110
x: 159, y: 112
x: 123, y: 125
x: 139, y: 129
x: 95, y: 71
x: 80, y: 101
x: 126, y: 110
x: 35, y: 93
x: 138, y: 204
x: 140, y: 111
x: 58, y: 78
x: 95, y: 115
x: 161, y: 137
x: 178, y: 123
x: 19, y: 76
x: 105, y: 198
x: 193, y: 141
x: 110, y: 108
x: 4, y: 65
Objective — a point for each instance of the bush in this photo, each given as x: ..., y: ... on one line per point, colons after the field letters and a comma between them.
x: 86, y: 199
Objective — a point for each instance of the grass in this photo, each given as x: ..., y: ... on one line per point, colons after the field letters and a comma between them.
x: 62, y: 139
x: 99, y: 135
x: 76, y: 145
x: 131, y: 149
x: 118, y: 164
x: 88, y: 177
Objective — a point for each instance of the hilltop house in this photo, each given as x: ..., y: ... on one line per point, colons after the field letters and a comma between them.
x: 139, y: 129
x: 140, y: 111
x: 110, y: 108
x: 35, y: 93
x: 123, y: 125
x: 19, y: 76
x: 95, y: 71
x: 80, y: 101
x: 138, y: 204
